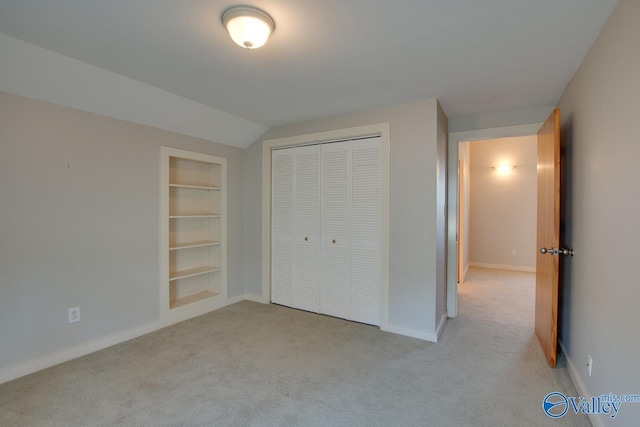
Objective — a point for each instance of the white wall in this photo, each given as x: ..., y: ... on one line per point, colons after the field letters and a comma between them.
x: 38, y: 73
x: 79, y: 202
x: 414, y: 137
x: 599, y: 302
x: 500, y: 119
x: 502, y: 213
x: 441, y: 217
x: 253, y: 221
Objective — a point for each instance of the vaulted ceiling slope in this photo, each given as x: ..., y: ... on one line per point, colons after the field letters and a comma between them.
x: 327, y: 57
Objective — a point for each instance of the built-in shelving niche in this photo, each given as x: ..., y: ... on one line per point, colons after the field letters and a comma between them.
x: 193, y: 233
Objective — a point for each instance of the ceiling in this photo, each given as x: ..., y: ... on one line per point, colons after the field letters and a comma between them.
x: 330, y: 56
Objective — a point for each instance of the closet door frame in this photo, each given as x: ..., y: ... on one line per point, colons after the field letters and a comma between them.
x: 381, y: 130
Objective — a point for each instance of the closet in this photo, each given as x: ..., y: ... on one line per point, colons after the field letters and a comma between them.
x: 326, y: 228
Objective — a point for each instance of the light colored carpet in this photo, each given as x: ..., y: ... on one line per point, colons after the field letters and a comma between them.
x: 264, y: 365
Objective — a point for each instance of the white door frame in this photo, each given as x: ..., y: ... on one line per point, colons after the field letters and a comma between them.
x: 455, y: 138
x: 379, y: 129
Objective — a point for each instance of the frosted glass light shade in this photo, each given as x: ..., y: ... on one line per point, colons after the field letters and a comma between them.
x: 248, y: 27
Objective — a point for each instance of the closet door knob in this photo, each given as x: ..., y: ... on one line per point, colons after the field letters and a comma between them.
x: 306, y: 238
x: 333, y: 241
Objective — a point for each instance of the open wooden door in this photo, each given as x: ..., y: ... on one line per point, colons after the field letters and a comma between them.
x: 548, y: 258
x: 460, y: 221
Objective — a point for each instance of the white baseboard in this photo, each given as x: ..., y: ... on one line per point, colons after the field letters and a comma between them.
x: 46, y: 361
x: 199, y: 308
x: 51, y: 359
x: 257, y: 298
x: 411, y: 332
x: 464, y: 273
x: 440, y: 327
x: 578, y: 383
x: 502, y: 267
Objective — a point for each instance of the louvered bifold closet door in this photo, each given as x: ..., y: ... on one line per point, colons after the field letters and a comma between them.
x: 334, y: 285
x: 366, y: 231
x: 306, y: 201
x: 282, y: 227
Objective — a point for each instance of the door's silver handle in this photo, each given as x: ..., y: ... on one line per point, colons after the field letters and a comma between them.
x: 556, y: 252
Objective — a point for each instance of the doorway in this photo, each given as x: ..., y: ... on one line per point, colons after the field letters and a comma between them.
x: 455, y: 138
x: 497, y: 204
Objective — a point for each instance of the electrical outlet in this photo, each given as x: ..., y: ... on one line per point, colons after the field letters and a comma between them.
x: 514, y: 252
x: 74, y: 314
x: 589, y: 364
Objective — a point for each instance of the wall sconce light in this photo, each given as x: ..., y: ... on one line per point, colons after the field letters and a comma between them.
x: 504, y: 169
x: 248, y: 27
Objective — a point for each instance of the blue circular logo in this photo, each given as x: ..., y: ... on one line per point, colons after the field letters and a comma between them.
x: 555, y: 405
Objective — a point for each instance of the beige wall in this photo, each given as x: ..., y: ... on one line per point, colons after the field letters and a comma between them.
x: 79, y: 209
x: 413, y: 223
x: 599, y: 304
x: 464, y: 154
x: 502, y: 214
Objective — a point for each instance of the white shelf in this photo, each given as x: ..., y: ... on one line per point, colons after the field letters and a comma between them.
x: 205, y: 215
x: 178, y: 302
x: 198, y: 271
x: 199, y: 244
x: 195, y: 187
x: 193, y: 212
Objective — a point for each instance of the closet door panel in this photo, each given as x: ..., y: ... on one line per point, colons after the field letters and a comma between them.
x: 365, y: 285
x: 282, y: 227
x: 334, y: 288
x: 306, y: 263
x: 365, y: 231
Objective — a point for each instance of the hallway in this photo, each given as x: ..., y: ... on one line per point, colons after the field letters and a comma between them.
x: 503, y: 298
x: 495, y: 329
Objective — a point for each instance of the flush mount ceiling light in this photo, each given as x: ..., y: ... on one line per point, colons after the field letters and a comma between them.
x: 248, y: 27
